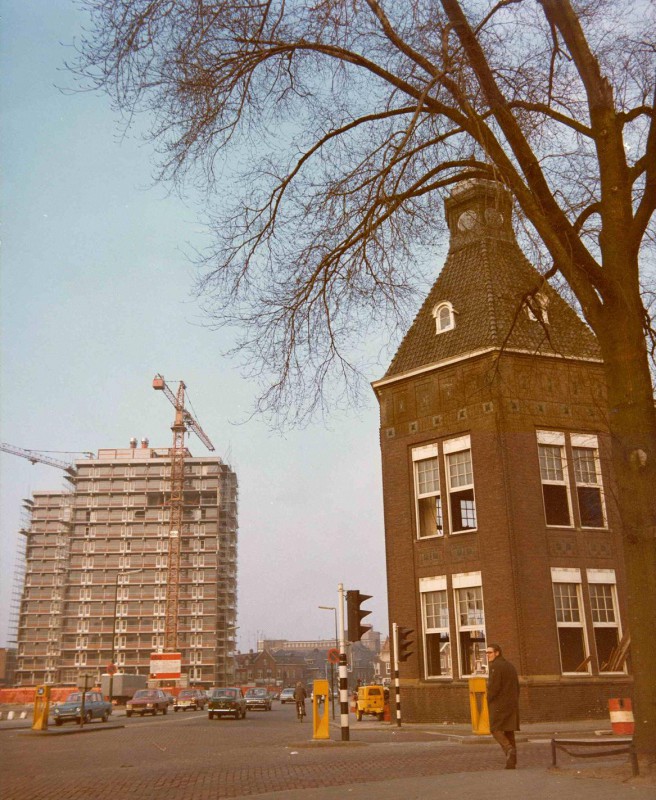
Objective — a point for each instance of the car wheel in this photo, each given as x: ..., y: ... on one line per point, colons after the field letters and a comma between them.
x: 128, y: 713
x: 88, y: 716
x: 59, y: 722
x: 165, y: 711
x: 104, y: 717
x: 176, y: 710
x: 358, y: 715
x: 210, y: 715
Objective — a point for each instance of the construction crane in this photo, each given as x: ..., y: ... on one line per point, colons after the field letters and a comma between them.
x: 183, y: 422
x: 37, y: 457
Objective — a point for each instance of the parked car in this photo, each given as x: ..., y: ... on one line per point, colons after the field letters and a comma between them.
x: 95, y: 707
x: 147, y: 701
x: 258, y: 698
x: 227, y: 702
x: 287, y: 695
x: 194, y: 699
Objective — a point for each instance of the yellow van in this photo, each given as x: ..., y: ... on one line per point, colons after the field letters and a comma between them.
x: 371, y: 700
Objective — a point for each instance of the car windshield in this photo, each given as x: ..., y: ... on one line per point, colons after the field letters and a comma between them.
x: 145, y: 693
x: 76, y: 697
x: 187, y: 693
x: 231, y: 693
x: 256, y: 693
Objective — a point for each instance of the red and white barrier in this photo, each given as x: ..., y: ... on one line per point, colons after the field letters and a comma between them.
x: 621, y: 716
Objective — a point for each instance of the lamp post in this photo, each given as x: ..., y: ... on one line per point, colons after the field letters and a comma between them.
x: 112, y: 666
x: 332, y: 666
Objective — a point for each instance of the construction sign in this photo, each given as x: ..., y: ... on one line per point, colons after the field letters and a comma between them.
x: 165, y: 666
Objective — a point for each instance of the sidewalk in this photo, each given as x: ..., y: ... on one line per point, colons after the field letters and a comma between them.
x: 536, y: 784
x: 462, y: 733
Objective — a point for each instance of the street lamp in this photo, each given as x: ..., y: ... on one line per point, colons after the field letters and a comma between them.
x: 112, y: 666
x: 332, y: 666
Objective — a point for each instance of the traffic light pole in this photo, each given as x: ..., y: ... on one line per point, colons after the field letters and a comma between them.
x: 343, y: 672
x: 397, y: 680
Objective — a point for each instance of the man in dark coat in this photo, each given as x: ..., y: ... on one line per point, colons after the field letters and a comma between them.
x: 503, y: 702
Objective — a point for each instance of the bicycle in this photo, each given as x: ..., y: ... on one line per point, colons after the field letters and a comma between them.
x: 300, y: 709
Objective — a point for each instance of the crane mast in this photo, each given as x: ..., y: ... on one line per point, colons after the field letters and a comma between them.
x: 183, y: 421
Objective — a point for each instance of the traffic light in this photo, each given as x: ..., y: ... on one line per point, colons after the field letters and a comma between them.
x: 405, y: 643
x: 356, y: 629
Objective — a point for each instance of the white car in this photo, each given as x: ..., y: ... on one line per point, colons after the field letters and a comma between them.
x: 287, y: 696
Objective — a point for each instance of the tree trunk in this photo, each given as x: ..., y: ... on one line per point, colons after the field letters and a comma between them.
x: 633, y: 430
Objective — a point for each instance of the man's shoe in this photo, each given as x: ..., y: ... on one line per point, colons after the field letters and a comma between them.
x: 511, y: 758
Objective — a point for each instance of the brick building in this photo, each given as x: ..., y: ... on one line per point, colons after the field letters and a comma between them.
x: 96, y: 569
x: 499, y: 520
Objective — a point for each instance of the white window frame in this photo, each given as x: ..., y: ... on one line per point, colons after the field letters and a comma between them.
x: 466, y: 582
x: 451, y: 448
x: 444, y: 316
x: 571, y: 576
x: 606, y: 578
x: 555, y: 439
x: 588, y: 442
x: 432, y: 497
x: 429, y: 587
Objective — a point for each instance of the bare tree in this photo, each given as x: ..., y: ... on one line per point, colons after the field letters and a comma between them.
x: 327, y: 130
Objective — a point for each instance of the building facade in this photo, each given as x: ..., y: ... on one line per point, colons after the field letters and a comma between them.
x: 96, y: 569
x: 498, y: 493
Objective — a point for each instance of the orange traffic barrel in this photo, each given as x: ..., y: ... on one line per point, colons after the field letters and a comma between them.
x: 621, y: 716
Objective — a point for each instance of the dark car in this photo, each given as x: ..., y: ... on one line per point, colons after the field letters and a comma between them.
x: 193, y: 699
x: 147, y: 701
x: 258, y: 698
x: 227, y: 702
x: 95, y: 707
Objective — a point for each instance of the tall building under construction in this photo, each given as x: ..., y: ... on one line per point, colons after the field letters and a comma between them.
x: 97, y: 569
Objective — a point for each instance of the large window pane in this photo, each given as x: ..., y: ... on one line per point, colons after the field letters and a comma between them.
x: 437, y: 641
x: 462, y: 505
x: 429, y: 501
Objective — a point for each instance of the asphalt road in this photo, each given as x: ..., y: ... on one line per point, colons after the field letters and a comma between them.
x: 186, y: 755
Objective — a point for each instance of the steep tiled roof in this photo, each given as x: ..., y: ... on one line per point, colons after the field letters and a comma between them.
x: 485, y: 277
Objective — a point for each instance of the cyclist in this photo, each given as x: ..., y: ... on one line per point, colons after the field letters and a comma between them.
x: 299, y: 695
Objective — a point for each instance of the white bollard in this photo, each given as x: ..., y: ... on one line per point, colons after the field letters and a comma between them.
x: 23, y: 715
x: 10, y: 715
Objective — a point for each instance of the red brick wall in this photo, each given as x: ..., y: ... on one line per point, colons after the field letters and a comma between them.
x: 500, y: 405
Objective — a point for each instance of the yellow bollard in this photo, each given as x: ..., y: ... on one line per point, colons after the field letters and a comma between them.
x: 478, y: 704
x: 320, y: 717
x: 41, y: 708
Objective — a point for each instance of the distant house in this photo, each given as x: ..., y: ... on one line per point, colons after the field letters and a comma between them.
x: 268, y: 668
x: 498, y: 489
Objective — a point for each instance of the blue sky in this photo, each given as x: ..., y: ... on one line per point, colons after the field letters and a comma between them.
x: 96, y: 300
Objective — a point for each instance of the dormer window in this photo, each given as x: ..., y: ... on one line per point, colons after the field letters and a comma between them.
x: 536, y: 308
x: 444, y: 317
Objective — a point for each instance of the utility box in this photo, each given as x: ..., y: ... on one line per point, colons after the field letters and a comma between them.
x: 41, y: 708
x: 123, y: 686
x: 480, y: 715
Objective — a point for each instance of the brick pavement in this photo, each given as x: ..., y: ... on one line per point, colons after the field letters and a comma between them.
x: 190, y: 758
x: 194, y: 761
